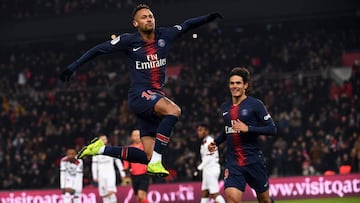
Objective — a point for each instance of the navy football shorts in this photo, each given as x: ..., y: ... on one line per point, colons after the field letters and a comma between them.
x: 255, y: 175
x: 142, y: 103
x: 140, y: 182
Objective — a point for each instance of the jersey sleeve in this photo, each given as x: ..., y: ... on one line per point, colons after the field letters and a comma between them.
x: 62, y: 174
x: 117, y: 44
x: 94, y: 167
x: 126, y: 165
x: 207, y: 156
x: 78, y: 183
x: 192, y: 23
x: 268, y: 126
x: 220, y: 138
x: 120, y: 167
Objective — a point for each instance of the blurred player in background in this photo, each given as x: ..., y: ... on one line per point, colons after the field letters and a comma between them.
x: 245, y: 118
x: 71, y: 177
x: 157, y: 115
x: 209, y: 166
x: 103, y: 173
x: 139, y: 178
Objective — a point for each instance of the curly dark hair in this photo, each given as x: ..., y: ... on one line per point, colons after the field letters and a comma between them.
x: 139, y: 7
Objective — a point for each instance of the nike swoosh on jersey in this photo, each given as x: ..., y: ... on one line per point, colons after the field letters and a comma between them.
x: 137, y: 48
x: 225, y: 113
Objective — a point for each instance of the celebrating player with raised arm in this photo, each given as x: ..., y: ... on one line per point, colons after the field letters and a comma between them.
x: 245, y: 119
x: 157, y: 115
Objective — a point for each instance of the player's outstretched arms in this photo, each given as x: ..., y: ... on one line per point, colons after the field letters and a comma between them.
x: 103, y: 48
x: 198, y: 21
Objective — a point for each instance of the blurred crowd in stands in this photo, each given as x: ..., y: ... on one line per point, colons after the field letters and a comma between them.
x: 318, y: 119
x: 24, y: 9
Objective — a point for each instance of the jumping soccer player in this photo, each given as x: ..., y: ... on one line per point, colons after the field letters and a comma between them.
x: 157, y: 115
x: 245, y: 118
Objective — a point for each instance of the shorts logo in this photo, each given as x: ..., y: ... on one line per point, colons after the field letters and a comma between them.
x: 149, y: 95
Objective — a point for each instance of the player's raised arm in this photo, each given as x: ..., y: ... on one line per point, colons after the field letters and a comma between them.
x: 191, y: 23
x: 198, y: 21
x: 103, y: 48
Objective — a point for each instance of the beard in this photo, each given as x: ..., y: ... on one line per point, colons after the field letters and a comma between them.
x: 148, y: 29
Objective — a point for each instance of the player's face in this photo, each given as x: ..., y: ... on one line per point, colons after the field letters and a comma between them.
x: 135, y: 136
x: 70, y: 153
x: 201, y: 132
x: 104, y: 139
x: 144, y: 20
x: 237, y: 86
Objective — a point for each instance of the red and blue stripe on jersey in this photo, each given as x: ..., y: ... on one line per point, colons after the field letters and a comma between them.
x: 236, y: 138
x: 155, y: 74
x: 242, y: 147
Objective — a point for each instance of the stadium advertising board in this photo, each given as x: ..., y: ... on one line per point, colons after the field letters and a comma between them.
x: 280, y: 188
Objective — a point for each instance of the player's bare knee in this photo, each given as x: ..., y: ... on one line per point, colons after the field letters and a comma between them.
x: 175, y: 110
x: 178, y: 111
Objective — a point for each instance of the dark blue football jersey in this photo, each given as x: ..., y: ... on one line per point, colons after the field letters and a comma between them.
x: 147, y: 60
x: 242, y: 147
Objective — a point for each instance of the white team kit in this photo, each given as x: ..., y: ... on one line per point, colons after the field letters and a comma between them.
x: 71, y: 174
x: 210, y: 167
x: 103, y: 170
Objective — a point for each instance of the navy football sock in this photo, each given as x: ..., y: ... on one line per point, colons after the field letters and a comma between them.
x: 163, y: 133
x: 131, y: 154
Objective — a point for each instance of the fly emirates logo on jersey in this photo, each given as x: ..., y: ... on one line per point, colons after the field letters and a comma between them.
x: 153, y: 61
x: 229, y: 129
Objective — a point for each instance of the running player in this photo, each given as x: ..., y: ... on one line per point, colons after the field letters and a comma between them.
x: 157, y: 115
x: 245, y: 119
x: 71, y: 177
x: 209, y: 166
x: 103, y: 173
